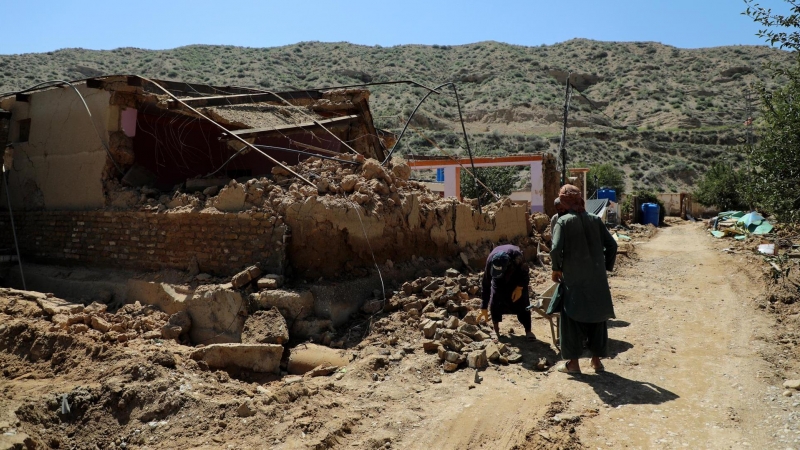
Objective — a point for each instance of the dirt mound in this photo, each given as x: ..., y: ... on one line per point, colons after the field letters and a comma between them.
x: 46, y: 331
x: 265, y: 327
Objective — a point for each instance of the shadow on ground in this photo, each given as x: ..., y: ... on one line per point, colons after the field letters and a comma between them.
x: 618, y: 324
x: 615, y: 390
x: 616, y: 347
x: 532, y: 351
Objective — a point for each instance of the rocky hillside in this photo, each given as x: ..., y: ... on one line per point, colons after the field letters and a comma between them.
x: 660, y: 112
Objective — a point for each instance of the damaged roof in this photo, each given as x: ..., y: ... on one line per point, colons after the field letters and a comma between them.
x: 166, y: 132
x: 264, y: 117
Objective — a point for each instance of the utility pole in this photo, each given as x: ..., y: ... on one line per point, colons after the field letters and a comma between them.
x: 562, y: 146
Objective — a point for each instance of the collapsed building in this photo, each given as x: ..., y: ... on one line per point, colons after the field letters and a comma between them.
x: 209, y: 181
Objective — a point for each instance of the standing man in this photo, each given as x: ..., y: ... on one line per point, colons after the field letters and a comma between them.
x: 583, y: 250
x: 505, y: 288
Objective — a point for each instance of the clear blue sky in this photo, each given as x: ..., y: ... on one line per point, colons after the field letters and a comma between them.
x: 45, y: 25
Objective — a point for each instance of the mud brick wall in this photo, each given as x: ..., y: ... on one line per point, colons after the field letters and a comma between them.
x: 222, y: 244
x: 552, y: 183
x: 328, y: 237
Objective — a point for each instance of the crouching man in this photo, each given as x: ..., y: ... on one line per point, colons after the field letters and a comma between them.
x: 505, y: 288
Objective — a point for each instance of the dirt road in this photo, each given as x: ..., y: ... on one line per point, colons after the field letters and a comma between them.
x: 688, y: 370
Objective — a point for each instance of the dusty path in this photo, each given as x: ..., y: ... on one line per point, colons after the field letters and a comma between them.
x: 685, y: 370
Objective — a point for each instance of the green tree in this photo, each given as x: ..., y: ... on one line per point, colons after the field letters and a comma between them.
x: 501, y: 181
x: 774, y: 173
x: 774, y: 162
x: 786, y: 35
x: 606, y: 175
x: 720, y: 187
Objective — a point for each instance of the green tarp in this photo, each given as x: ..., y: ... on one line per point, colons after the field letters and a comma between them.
x: 746, y: 223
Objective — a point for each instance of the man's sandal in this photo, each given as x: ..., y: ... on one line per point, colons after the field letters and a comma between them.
x: 563, y: 369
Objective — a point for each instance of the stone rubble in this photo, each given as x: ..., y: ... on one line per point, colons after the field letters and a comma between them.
x: 369, y: 184
x: 132, y: 321
x: 444, y: 311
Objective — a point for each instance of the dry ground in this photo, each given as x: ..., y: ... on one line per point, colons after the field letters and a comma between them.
x: 688, y: 370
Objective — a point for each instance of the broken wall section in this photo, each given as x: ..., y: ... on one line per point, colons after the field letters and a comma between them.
x: 58, y: 158
x: 220, y: 243
x: 329, y: 239
x: 552, y: 183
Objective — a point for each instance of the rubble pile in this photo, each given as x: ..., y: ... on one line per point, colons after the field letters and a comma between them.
x: 156, y: 392
x: 369, y: 184
x: 439, y: 315
x: 739, y: 225
x: 353, y: 215
x: 132, y: 321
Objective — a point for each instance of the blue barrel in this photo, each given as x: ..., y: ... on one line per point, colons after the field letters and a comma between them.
x: 439, y: 175
x: 650, y: 213
x: 610, y: 194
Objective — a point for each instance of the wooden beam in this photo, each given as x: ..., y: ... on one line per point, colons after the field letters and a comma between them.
x: 241, y: 99
x: 225, y: 130
x: 334, y: 121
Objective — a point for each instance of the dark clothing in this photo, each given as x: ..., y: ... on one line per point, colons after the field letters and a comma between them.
x: 571, y: 335
x: 524, y: 318
x: 496, y: 292
x: 583, y: 250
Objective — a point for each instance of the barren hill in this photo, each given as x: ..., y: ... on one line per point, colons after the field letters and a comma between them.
x: 660, y: 112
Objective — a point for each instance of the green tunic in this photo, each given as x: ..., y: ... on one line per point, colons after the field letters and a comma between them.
x: 583, y: 250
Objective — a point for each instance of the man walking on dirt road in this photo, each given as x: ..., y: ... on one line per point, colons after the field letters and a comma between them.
x: 505, y: 288
x: 583, y: 250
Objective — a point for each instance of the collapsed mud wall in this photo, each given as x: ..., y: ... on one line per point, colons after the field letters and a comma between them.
x: 329, y: 239
x: 331, y: 230
x: 219, y: 243
x: 326, y: 240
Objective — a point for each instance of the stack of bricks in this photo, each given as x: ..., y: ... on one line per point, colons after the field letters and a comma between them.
x: 221, y: 243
